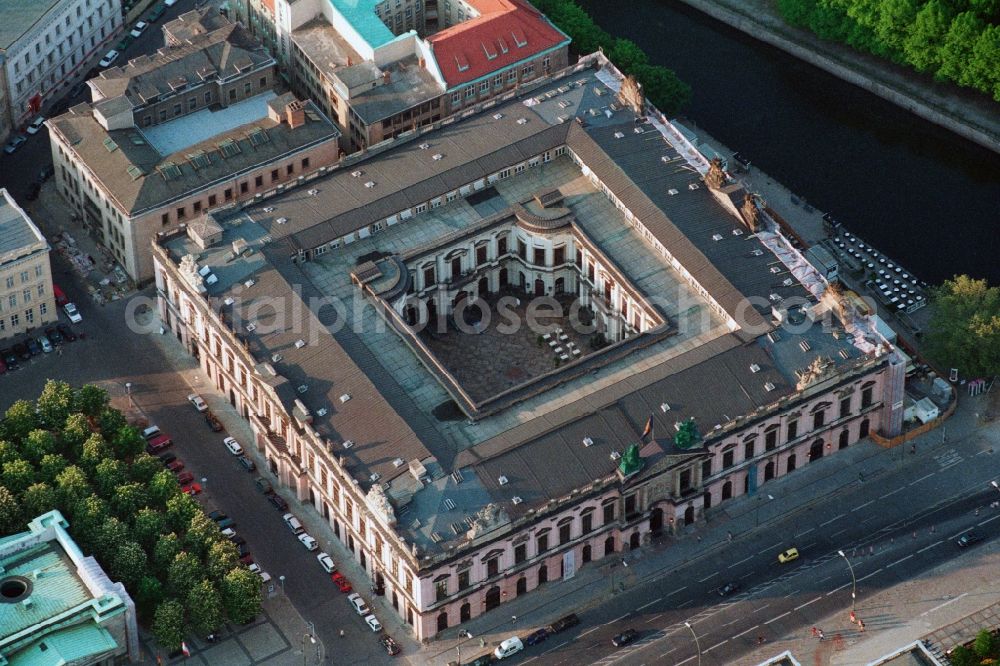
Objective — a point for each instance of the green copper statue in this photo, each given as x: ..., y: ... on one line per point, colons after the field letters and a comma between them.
x: 687, y: 435
x: 631, y: 461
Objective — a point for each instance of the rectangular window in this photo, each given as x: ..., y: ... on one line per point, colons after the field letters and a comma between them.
x: 43, y: 308
x: 502, y: 246
x: 480, y: 255
x: 197, y: 207
x: 247, y: 87
x: 429, y: 276
x: 609, y: 512
x: 770, y: 439
x: 541, y: 544
x: 492, y: 567
x: 793, y: 429
x: 181, y: 214
x: 208, y: 97
x: 685, y: 481
x: 484, y: 87
x: 520, y: 553
x: 558, y: 256
x: 538, y: 256
x: 565, y: 533
x: 522, y: 249
x: 630, y: 506
x: 748, y: 449
x: 165, y: 219
x: 258, y: 181
x: 463, y: 579
x: 305, y: 162
x: 470, y: 92
x: 866, y: 398
x: 512, y: 76
x: 290, y: 169
x: 819, y: 418
x: 728, y: 458
x: 228, y: 194
x: 244, y: 187
x: 498, y: 81
x: 15, y: 320
x: 706, y: 469
x: 441, y: 590
x: 263, y: 82
x: 192, y: 103
x: 211, y: 200
x: 587, y: 522
x: 845, y: 406
x: 29, y: 317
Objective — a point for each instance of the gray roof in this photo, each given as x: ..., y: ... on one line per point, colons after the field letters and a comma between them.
x: 18, y: 234
x: 213, y: 56
x: 409, y: 85
x: 20, y: 16
x: 195, y: 22
x: 149, y: 189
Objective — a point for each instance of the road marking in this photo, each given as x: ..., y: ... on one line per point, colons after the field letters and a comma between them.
x: 686, y: 603
x: 654, y: 617
x: 716, y: 645
x: 985, y: 453
x: 940, y: 606
x: 936, y: 543
x: 747, y: 631
x: 747, y: 575
x: 858, y: 508
x: 831, y: 520
x: 809, y: 545
x: 734, y: 621
x: 988, y: 520
x: 800, y: 606
x: 620, y: 618
x: 806, y: 532
x: 711, y: 575
x: 926, y: 476
x: 839, y: 532
x: 650, y: 603
x: 757, y: 610
x: 746, y: 559
x: 902, y: 559
x: 679, y: 589
x: 838, y: 589
x: 870, y: 575
x: 892, y: 493
x: 686, y: 660
x: 589, y: 631
x: 775, y: 619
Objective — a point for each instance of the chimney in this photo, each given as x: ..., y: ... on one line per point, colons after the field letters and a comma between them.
x: 295, y: 113
x: 386, y: 78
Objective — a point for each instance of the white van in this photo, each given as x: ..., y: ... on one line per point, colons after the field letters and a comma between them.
x: 293, y: 523
x: 512, y: 645
x: 150, y: 432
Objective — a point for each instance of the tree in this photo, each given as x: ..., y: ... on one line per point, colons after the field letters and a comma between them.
x: 10, y: 512
x: 90, y: 400
x: 983, y: 71
x: 18, y: 475
x: 627, y: 56
x: 8, y: 452
x: 19, y: 420
x: 128, y: 442
x: 662, y: 87
x: 241, y: 595
x: 128, y: 499
x: 962, y: 656
x: 51, y: 466
x: 958, y: 44
x: 964, y: 329
x: 72, y: 485
x: 165, y: 551
x: 183, y: 574
x: 111, y: 421
x: 144, y: 467
x: 181, y: 508
x: 74, y: 434
x: 148, y: 527
x: 204, y: 605
x: 55, y: 404
x: 922, y: 47
x: 39, y: 498
x: 87, y: 518
x: 111, y: 537
x: 129, y: 564
x: 201, y: 533
x: 985, y: 644
x: 162, y: 487
x: 95, y: 450
x: 222, y: 558
x: 37, y: 445
x: 168, y: 624
x: 149, y: 593
x: 108, y: 475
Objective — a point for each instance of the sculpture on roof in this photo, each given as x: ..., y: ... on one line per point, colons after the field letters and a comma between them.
x: 631, y: 462
x: 630, y: 95
x: 820, y: 368
x: 379, y: 503
x: 487, y: 519
x: 751, y: 213
x: 687, y: 434
x: 716, y: 176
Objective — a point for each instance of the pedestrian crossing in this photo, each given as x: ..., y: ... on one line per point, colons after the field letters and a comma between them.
x: 947, y: 459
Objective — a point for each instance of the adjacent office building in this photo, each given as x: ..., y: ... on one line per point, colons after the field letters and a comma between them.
x: 26, y: 298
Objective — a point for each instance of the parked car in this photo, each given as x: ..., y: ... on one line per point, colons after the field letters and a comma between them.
x: 21, y: 350
x: 33, y: 347
x: 788, y: 555
x: 158, y: 443
x: 33, y: 191
x: 78, y: 89
x: 213, y: 422
x: 341, y: 581
x: 563, y: 623
x: 14, y: 143
x: 233, y: 446
x: 10, y: 358
x: 484, y: 660
x: 185, y: 478
x: 54, y: 336
x: 175, y: 465
x: 198, y: 403
x: 124, y: 43
x: 326, y: 562
x: 264, y: 576
x: 508, y: 647
x: 72, y: 313
x: 167, y: 458
x: 3, y: 367
x: 624, y: 638
x: 139, y: 28
x: 192, y: 489
x: 293, y: 523
x: 156, y: 13
x: 109, y: 58
x: 45, y: 344
x: 360, y: 607
x: 169, y: 3
x: 246, y: 462
x: 536, y: 637
x: 968, y: 539
x: 65, y: 331
x: 308, y: 541
x: 732, y: 587
x: 263, y: 485
x: 391, y: 646
x: 151, y: 432
x: 229, y: 532
x: 35, y: 125
x: 225, y: 522
x: 373, y: 623
x: 278, y: 501
x: 238, y: 540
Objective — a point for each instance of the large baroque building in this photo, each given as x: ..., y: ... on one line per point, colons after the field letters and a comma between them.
x: 522, y: 342
x: 382, y: 68
x: 45, y: 45
x: 197, y: 125
x: 27, y: 301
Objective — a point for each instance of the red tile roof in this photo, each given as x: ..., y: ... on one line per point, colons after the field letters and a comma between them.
x: 506, y: 32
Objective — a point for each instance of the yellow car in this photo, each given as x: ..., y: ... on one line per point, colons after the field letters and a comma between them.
x: 788, y: 555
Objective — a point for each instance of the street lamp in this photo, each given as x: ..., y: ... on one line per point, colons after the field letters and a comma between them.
x: 281, y: 579
x: 854, y: 581
x: 995, y: 485
x: 128, y: 392
x: 697, y: 643
x: 312, y: 639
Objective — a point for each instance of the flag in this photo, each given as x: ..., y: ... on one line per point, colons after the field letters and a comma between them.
x: 647, y: 433
x: 185, y: 650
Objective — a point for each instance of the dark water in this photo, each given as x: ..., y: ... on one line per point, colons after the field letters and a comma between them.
x: 926, y: 197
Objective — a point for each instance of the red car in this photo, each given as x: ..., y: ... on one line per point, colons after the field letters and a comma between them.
x: 185, y: 478
x: 192, y: 489
x: 176, y: 465
x: 247, y: 559
x: 342, y: 583
x: 158, y: 444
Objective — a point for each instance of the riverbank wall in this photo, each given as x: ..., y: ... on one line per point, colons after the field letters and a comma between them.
x: 979, y: 123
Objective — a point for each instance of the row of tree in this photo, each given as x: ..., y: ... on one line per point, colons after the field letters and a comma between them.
x: 953, y: 40
x: 964, y: 330
x: 661, y: 85
x: 70, y: 450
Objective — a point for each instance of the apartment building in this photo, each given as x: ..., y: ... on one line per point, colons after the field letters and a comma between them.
x: 26, y: 298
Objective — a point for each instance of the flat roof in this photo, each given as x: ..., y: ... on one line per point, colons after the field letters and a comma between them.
x: 20, y: 16
x: 361, y: 15
x: 18, y: 234
x: 183, y: 132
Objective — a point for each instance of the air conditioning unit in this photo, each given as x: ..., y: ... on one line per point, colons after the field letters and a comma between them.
x: 268, y: 209
x: 302, y: 388
x: 664, y: 407
x: 754, y: 368
x: 345, y: 397
x: 322, y: 411
x: 348, y: 444
x: 370, y: 184
x: 503, y: 480
x: 251, y: 327
x: 282, y: 220
x: 587, y: 441
x: 299, y: 344
x: 769, y: 387
x: 516, y: 500
x: 449, y: 504
x: 398, y: 462
x: 497, y: 116
x: 374, y: 477
x: 615, y: 455
x: 425, y: 146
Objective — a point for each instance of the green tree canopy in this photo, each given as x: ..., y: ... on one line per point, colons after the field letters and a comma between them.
x: 108, y: 474
x: 166, y: 551
x: 90, y: 400
x: 111, y: 421
x: 204, y: 605
x: 184, y: 573
x: 10, y: 512
x: 181, y: 508
x: 222, y: 557
x: 18, y: 475
x: 241, y: 595
x: 55, y: 404
x: 149, y: 593
x: 144, y: 467
x: 111, y: 537
x: 38, y: 444
x: 162, y: 487
x: 202, y: 532
x: 51, y: 466
x: 19, y: 419
x: 129, y: 564
x: 128, y: 498
x: 72, y: 485
x: 39, y: 498
x: 74, y: 434
x: 964, y: 329
x: 168, y: 624
x: 95, y: 451
x: 148, y: 527
x: 128, y: 442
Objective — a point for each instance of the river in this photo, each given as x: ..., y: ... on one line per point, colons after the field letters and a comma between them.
x: 919, y: 193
